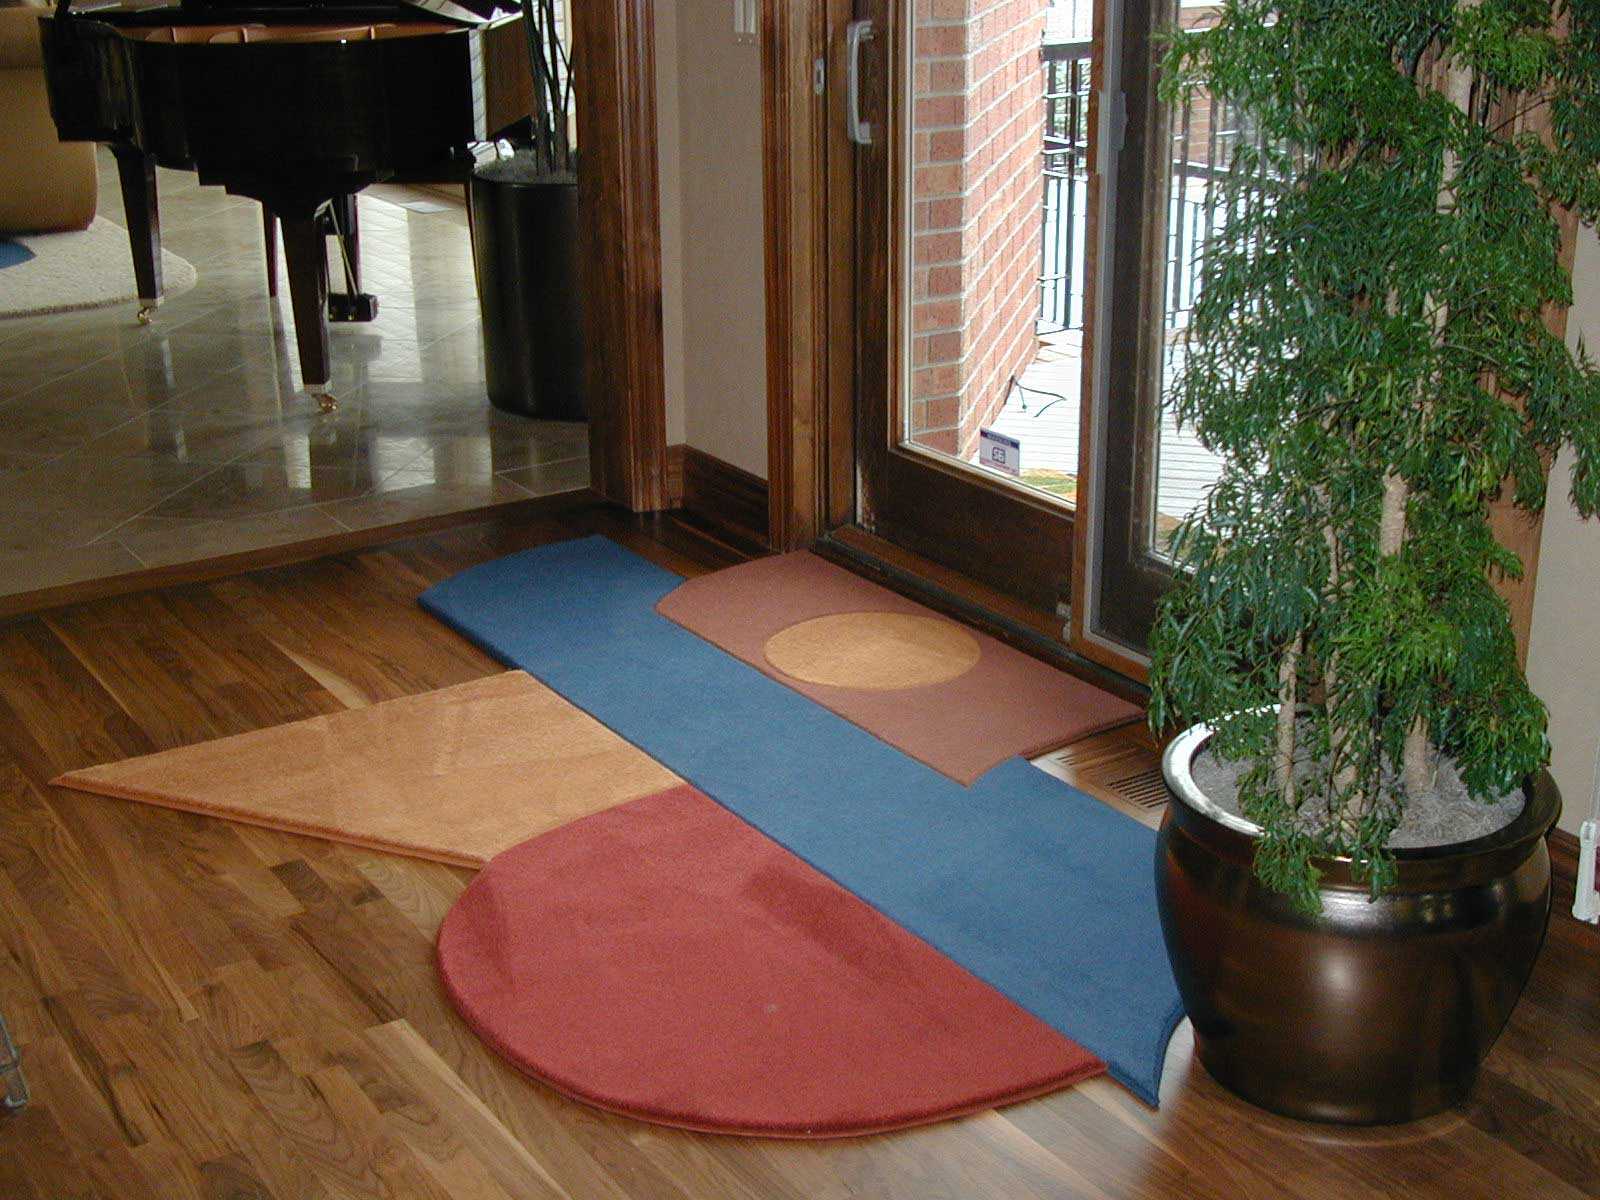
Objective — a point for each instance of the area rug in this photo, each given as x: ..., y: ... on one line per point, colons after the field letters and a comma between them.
x: 87, y: 269
x: 951, y: 697
x: 1042, y: 892
x: 457, y: 775
x: 666, y: 961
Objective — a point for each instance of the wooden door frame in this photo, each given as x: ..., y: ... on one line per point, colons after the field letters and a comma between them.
x: 807, y: 172
x: 1099, y: 241
x: 613, y: 48
x: 809, y: 344
x: 806, y: 168
x: 812, y: 309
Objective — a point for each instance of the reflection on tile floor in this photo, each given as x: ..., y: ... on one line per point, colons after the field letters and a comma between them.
x: 124, y: 447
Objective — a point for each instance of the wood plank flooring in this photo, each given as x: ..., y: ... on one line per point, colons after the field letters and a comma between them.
x: 209, y: 1010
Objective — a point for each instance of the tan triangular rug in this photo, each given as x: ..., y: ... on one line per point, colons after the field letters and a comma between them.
x: 455, y: 775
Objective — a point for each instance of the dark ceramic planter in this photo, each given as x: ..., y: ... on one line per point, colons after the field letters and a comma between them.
x: 530, y: 291
x: 1372, y: 1012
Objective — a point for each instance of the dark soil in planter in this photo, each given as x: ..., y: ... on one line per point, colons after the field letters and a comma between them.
x: 1443, y: 816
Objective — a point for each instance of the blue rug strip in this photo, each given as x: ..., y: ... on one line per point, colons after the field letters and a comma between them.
x: 1041, y: 891
x: 13, y: 254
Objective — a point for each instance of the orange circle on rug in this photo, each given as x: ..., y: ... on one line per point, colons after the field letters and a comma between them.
x: 876, y: 651
x: 666, y: 960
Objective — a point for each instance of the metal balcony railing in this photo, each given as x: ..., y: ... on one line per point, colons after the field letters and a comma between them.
x: 1203, y: 138
x: 1066, y: 183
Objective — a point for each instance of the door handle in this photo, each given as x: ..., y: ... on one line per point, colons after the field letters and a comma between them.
x: 854, y: 34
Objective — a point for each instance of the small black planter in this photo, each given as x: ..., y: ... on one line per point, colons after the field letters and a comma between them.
x: 525, y: 252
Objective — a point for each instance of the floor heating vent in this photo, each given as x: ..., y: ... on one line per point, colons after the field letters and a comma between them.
x: 1118, y: 768
x: 1144, y: 789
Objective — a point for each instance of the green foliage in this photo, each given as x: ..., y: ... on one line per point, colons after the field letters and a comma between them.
x: 1373, y: 306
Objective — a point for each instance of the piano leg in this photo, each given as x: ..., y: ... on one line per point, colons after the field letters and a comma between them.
x: 308, y: 294
x: 136, y: 171
x: 269, y: 236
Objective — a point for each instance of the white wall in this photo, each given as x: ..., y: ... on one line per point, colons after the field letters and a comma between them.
x: 1564, y: 645
x: 713, y: 276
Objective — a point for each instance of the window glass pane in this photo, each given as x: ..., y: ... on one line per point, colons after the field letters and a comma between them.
x: 998, y: 150
x: 1202, y: 137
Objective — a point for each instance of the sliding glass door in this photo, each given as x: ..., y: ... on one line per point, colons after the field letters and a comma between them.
x: 1147, y: 473
x: 1028, y: 228
x: 971, y: 170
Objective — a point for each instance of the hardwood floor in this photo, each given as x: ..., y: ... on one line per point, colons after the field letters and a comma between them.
x: 212, y: 1010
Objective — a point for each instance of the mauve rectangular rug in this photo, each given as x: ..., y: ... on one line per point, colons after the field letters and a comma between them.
x: 1003, y: 704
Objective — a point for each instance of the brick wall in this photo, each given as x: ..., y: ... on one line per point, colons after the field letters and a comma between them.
x: 977, y: 121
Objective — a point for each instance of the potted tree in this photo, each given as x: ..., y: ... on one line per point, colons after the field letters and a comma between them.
x: 1368, y: 357
x: 524, y: 213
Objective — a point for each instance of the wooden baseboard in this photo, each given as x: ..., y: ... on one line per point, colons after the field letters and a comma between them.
x: 674, y: 483
x: 723, y: 499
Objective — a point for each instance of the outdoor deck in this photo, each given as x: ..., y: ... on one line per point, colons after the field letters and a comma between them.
x: 1043, y: 414
x: 1044, y: 418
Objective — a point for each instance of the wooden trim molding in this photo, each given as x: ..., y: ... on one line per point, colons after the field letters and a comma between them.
x: 613, y: 44
x: 726, y: 500
x: 674, y: 478
x: 806, y: 176
x: 1087, y: 528
x: 787, y: 150
x: 1564, y: 856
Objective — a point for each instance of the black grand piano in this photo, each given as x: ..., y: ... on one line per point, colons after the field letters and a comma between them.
x: 296, y: 103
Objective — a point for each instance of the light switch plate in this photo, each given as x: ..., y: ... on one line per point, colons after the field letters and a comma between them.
x: 744, y: 22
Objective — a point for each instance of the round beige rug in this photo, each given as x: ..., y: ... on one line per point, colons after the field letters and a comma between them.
x: 89, y: 269
x: 873, y: 650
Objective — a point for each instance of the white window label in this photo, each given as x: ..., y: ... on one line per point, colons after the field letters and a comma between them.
x: 1000, y: 452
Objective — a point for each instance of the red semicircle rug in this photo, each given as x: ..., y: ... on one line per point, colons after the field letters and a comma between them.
x: 665, y: 960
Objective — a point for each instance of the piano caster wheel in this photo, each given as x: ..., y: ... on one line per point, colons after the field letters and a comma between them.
x: 325, y: 402
x: 147, y: 313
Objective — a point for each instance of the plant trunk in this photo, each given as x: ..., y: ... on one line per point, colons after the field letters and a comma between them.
x: 1288, y: 678
x: 1392, y: 524
x: 1344, y: 774
x: 1391, y: 539
x: 1456, y: 86
x: 1416, y: 765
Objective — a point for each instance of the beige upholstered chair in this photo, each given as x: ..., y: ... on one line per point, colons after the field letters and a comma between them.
x: 45, y: 184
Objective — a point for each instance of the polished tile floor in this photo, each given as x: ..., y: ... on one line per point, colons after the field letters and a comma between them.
x: 125, y: 447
